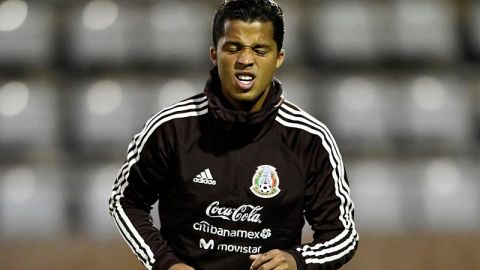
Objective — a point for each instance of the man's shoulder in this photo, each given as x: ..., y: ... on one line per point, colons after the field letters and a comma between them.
x: 193, y: 102
x: 193, y: 106
x: 291, y: 115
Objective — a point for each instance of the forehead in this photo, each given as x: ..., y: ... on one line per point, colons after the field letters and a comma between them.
x: 248, y: 32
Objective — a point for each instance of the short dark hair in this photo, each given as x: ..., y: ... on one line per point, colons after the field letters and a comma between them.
x: 249, y: 11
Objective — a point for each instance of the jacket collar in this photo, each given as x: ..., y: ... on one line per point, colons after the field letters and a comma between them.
x: 230, y: 117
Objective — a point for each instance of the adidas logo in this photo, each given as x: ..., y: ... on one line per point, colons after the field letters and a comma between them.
x: 205, y: 177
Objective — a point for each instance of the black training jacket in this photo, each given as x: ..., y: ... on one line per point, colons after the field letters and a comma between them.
x: 231, y: 183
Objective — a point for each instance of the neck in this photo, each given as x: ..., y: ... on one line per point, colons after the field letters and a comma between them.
x: 248, y: 106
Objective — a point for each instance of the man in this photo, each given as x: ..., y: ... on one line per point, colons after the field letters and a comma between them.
x: 237, y: 168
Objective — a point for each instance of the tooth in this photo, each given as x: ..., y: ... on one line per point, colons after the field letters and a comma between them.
x: 245, y: 77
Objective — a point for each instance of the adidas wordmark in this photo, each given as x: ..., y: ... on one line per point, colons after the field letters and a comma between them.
x: 205, y: 177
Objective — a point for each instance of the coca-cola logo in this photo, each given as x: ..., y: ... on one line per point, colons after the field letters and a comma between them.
x: 243, y: 213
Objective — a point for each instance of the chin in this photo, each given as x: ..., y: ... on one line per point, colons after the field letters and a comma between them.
x: 246, y: 97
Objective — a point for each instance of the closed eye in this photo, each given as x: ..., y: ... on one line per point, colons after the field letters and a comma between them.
x: 232, y: 47
x: 261, y: 52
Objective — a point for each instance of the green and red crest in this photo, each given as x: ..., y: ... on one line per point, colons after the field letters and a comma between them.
x: 265, y: 182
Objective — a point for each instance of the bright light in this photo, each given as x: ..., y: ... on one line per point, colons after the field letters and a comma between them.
x: 357, y: 93
x: 13, y: 98
x: 100, y: 14
x: 428, y: 93
x: 12, y: 14
x: 174, y: 91
x: 19, y: 184
x: 104, y: 97
x: 443, y: 177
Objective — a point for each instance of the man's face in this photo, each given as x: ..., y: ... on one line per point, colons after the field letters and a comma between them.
x: 247, y: 58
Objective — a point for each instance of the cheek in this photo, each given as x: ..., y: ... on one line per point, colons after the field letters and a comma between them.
x: 269, y: 68
x: 225, y: 72
x: 225, y: 64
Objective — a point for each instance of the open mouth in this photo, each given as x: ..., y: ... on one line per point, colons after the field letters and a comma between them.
x: 245, y: 80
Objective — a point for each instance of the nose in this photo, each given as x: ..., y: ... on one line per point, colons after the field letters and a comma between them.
x: 245, y: 57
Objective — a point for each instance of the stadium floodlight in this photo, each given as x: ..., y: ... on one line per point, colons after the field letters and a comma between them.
x: 100, y: 14
x: 13, y: 14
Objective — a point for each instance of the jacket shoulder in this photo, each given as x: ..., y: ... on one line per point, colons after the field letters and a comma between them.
x: 291, y: 115
x: 189, y: 107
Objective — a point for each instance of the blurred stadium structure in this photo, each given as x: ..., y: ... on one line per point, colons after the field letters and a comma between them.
x: 396, y: 81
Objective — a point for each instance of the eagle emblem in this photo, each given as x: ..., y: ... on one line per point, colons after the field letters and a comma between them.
x: 265, y: 182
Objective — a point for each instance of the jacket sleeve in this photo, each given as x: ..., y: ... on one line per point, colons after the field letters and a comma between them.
x: 328, y: 209
x: 135, y: 191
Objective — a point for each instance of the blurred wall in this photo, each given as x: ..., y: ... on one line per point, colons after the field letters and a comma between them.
x: 396, y: 81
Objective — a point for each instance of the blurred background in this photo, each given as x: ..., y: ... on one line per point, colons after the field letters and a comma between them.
x: 396, y: 81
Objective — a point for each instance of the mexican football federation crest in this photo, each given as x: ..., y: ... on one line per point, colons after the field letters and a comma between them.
x: 265, y: 182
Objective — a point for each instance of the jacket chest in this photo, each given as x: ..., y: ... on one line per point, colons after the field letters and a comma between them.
x: 263, y: 173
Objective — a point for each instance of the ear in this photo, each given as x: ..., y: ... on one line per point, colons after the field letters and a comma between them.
x: 280, y: 58
x: 213, y: 55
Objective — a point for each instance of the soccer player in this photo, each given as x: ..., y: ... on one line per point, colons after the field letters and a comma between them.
x: 236, y: 168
